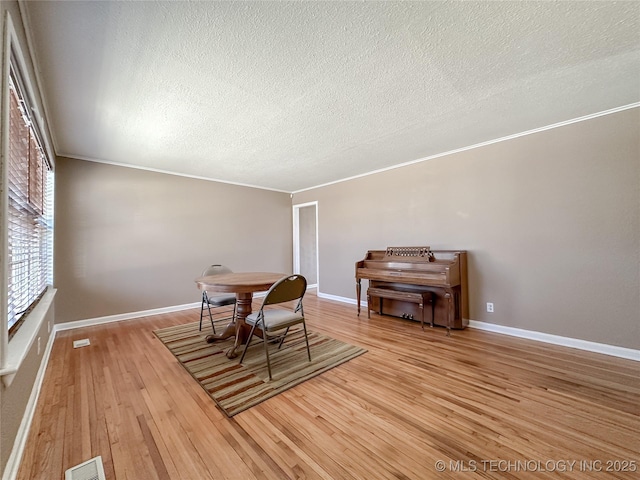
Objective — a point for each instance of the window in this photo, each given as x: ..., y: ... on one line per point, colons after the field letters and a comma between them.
x: 29, y: 207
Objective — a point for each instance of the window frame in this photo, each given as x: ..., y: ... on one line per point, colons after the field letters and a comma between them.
x: 12, y: 354
x: 30, y: 215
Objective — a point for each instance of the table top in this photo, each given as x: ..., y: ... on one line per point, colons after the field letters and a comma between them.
x: 240, y: 282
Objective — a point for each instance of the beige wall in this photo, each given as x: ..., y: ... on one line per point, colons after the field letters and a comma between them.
x: 551, y: 222
x: 129, y: 240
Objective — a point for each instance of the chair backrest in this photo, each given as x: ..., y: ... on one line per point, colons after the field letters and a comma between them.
x: 286, y: 289
x: 215, y: 270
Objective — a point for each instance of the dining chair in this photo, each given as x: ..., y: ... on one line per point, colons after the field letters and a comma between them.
x: 271, y: 321
x: 211, y: 299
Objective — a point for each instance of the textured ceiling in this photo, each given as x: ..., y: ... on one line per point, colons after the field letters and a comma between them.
x: 290, y: 95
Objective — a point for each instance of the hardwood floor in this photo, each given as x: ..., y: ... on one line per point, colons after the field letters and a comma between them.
x: 502, y: 406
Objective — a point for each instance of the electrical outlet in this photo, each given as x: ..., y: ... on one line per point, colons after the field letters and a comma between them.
x: 489, y: 307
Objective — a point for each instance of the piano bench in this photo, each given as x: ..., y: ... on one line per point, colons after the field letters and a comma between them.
x: 421, y: 298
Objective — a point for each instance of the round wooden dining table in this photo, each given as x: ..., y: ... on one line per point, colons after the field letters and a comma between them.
x: 244, y: 285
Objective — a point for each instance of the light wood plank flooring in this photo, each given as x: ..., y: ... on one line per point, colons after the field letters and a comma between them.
x: 502, y: 406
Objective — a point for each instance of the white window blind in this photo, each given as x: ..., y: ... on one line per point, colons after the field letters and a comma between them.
x: 30, y: 210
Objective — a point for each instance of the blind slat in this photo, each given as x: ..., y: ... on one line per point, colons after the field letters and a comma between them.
x: 30, y: 213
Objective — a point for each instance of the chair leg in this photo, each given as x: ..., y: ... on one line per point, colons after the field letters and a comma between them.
x: 266, y: 351
x: 205, y: 301
x: 246, y: 346
x: 213, y: 327
x: 283, y: 337
x: 306, y: 339
x: 202, y: 310
x: 264, y: 342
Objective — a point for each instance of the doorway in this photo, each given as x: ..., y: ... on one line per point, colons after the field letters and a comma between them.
x: 305, y: 242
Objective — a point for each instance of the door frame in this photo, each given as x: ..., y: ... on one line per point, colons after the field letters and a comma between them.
x: 296, y: 240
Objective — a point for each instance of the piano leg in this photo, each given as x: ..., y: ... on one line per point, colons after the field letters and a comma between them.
x: 433, y: 308
x: 449, y: 298
x: 358, y: 294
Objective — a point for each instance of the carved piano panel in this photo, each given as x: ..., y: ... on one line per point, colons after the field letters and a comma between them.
x: 442, y: 272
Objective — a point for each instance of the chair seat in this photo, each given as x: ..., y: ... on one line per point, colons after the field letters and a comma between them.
x: 221, y: 300
x: 275, y: 319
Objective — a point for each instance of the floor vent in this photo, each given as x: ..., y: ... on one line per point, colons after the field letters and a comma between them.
x: 81, y: 343
x: 89, y: 470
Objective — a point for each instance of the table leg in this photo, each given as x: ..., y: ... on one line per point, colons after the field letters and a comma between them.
x: 242, y: 330
x: 229, y: 331
x: 243, y: 308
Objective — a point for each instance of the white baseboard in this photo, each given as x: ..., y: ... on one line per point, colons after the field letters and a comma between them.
x: 351, y: 301
x: 123, y: 316
x: 13, y: 463
x: 132, y: 315
x: 595, y: 347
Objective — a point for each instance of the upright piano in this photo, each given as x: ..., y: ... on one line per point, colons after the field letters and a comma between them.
x: 413, y: 270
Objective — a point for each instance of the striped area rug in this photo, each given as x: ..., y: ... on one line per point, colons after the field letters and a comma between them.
x: 236, y: 387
